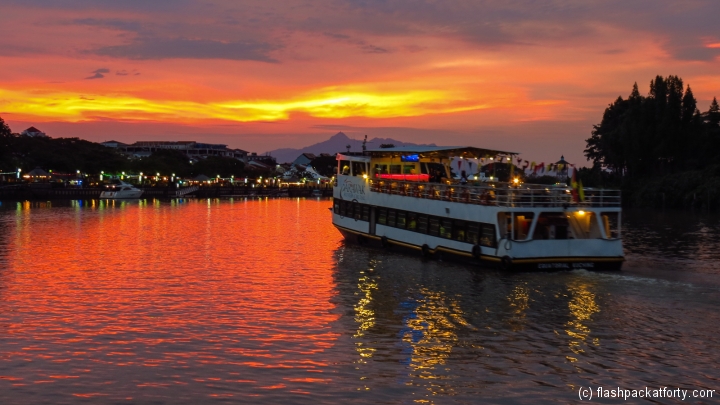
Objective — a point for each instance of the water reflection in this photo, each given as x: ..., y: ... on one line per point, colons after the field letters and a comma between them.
x: 519, y: 300
x: 260, y: 301
x: 431, y: 334
x: 364, y: 313
x: 157, y: 299
x: 582, y: 306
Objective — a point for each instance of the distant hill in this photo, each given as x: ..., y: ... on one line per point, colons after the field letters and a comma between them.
x: 336, y: 143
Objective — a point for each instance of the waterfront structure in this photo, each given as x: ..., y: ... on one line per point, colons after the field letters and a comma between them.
x: 113, y: 144
x: 407, y: 197
x: 309, y: 166
x: 265, y: 163
x: 34, y: 133
x: 264, y: 159
x: 304, y: 159
x: 194, y: 150
x: 37, y: 174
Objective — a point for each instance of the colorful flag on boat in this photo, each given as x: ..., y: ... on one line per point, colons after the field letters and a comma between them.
x: 577, y: 188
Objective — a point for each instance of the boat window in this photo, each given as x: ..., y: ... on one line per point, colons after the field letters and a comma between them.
x: 423, y: 168
x: 357, y: 210
x: 395, y: 169
x: 408, y: 169
x: 422, y: 223
x: 366, y: 213
x: 551, y: 225
x: 434, y: 226
x: 350, y: 209
x: 382, y: 216
x: 584, y: 225
x: 411, y: 221
x: 337, y: 206
x: 473, y: 233
x: 611, y: 224
x: 391, y: 218
x: 380, y: 169
x: 505, y: 224
x: 358, y: 168
x: 344, y: 167
x: 487, y: 235
x: 436, y: 172
x: 459, y: 230
x: 401, y: 219
x: 522, y: 222
x: 446, y: 228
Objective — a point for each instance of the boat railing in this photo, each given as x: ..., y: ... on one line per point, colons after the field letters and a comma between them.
x: 500, y: 194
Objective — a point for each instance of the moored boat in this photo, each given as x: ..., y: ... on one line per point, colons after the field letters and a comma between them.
x: 406, y: 196
x: 120, y: 191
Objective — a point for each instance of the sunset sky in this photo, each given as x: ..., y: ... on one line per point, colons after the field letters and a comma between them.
x: 527, y: 76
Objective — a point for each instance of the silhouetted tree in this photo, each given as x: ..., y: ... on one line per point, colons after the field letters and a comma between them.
x: 4, y: 128
x: 712, y: 116
x: 645, y: 136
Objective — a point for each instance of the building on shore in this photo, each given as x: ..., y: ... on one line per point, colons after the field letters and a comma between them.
x: 194, y: 150
x: 304, y: 159
x: 34, y: 133
x: 261, y: 162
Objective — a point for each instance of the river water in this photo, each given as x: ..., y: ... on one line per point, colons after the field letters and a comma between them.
x: 261, y: 301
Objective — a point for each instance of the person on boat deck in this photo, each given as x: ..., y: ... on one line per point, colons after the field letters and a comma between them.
x: 346, y: 170
x: 437, y: 176
x: 463, y: 178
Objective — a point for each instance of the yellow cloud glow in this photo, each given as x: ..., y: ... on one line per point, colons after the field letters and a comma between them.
x: 327, y: 103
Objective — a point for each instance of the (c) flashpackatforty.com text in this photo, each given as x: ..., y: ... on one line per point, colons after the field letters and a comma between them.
x: 590, y: 393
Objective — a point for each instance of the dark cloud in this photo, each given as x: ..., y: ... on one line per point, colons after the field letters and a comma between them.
x: 98, y: 74
x: 126, y: 5
x: 364, y: 46
x: 374, y: 49
x: 251, y: 30
x: 612, y: 52
x: 7, y: 49
x: 494, y: 25
x: 182, y: 48
x: 124, y: 72
x: 113, y: 23
x: 337, y: 36
x: 693, y: 52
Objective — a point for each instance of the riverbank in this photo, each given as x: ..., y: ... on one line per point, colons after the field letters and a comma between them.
x: 43, y: 191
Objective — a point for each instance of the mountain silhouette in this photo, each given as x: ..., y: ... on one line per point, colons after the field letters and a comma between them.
x: 337, y: 143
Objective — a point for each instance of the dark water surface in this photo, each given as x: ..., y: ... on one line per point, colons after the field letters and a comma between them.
x: 260, y: 301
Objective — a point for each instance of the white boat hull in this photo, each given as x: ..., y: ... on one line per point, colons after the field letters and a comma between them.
x: 120, y: 195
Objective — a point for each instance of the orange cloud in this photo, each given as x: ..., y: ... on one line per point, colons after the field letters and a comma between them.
x: 331, y: 103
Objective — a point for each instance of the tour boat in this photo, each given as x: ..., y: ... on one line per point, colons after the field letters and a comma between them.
x: 121, y: 190
x: 407, y: 197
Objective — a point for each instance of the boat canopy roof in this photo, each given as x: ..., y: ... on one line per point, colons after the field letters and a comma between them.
x: 438, y: 151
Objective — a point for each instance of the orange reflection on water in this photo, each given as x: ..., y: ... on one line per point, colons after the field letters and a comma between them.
x: 119, y: 293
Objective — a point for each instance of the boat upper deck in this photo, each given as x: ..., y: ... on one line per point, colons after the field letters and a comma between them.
x: 499, y: 194
x: 412, y: 171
